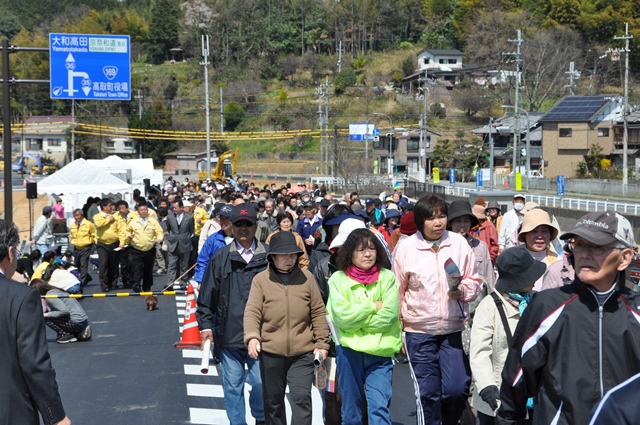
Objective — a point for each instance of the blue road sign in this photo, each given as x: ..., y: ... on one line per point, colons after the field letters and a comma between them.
x: 376, y: 132
x: 479, y: 178
x: 90, y: 66
x: 452, y: 176
x: 560, y: 185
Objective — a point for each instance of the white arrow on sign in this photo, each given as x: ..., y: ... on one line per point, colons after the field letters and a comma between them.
x: 70, y: 64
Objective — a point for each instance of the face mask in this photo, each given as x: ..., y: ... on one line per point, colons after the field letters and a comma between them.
x: 305, y: 200
x: 518, y: 207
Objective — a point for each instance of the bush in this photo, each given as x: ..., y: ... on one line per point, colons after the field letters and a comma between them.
x: 405, y: 45
x: 397, y: 78
x: 359, y: 63
x: 346, y: 78
x: 437, y: 110
x: 233, y: 114
x: 408, y: 66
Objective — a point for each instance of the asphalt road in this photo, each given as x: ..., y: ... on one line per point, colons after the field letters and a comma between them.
x: 130, y: 373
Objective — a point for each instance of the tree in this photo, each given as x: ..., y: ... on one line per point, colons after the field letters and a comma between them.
x: 163, y: 29
x: 158, y: 117
x: 408, y: 65
x: 233, y: 114
x: 346, y: 78
x: 471, y: 98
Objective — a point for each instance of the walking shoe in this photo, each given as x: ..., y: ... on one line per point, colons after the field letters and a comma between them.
x: 105, y: 288
x: 66, y: 339
x: 136, y: 288
x: 260, y: 422
x: 85, y: 334
x: 160, y: 271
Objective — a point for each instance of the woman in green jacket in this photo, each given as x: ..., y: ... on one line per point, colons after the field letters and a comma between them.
x: 363, y: 306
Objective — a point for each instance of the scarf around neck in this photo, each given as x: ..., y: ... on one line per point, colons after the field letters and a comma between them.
x: 521, y: 299
x: 366, y: 277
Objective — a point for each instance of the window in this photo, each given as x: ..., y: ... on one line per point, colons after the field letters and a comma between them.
x: 412, y: 144
x: 453, y: 61
x: 565, y: 132
x: 128, y: 144
x: 36, y: 145
x: 603, y: 132
x: 54, y: 142
x: 442, y: 61
x: 111, y: 144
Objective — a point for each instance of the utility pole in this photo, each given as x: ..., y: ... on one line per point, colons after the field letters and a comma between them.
x: 518, y: 41
x: 340, y: 57
x: 140, y: 97
x: 625, y: 112
x: 323, y: 125
x: 625, y: 137
x: 221, y: 114
x: 326, y: 120
x: 572, y: 74
x: 205, y: 63
x: 422, y: 171
x: 491, y: 173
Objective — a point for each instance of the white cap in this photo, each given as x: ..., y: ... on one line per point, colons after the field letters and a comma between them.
x: 345, y: 229
x: 186, y: 203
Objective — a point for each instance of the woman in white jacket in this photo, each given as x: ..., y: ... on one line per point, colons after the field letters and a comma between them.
x: 518, y: 271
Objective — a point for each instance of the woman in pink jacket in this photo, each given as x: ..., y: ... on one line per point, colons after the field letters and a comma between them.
x: 432, y: 306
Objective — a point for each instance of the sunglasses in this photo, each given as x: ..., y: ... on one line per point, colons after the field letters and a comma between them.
x: 243, y: 223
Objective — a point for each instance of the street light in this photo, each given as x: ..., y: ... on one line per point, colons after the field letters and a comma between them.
x: 515, y: 147
x: 389, y: 164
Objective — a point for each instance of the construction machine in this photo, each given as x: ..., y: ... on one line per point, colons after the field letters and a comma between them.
x: 226, y: 165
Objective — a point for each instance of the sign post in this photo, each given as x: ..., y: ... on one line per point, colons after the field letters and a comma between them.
x: 560, y: 185
x: 90, y: 66
x: 479, y: 178
x: 518, y: 182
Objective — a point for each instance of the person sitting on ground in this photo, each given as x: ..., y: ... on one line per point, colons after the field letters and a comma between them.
x: 63, y: 315
x: 59, y: 277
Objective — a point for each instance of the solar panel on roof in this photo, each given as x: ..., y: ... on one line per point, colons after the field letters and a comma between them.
x: 575, y: 108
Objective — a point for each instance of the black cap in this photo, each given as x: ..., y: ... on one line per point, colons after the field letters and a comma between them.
x: 517, y: 269
x: 243, y: 212
x: 325, y: 202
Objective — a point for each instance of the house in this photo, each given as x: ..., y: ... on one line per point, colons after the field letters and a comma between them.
x: 442, y: 66
x: 573, y: 125
x: 121, y: 146
x: 406, y: 152
x: 504, y: 130
x: 189, y: 158
x: 46, y: 136
x: 633, y: 141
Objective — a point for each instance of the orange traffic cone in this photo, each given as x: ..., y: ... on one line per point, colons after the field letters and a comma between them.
x: 24, y: 183
x: 506, y: 182
x: 190, y: 333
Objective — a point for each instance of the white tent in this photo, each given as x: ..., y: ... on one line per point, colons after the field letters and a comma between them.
x: 78, y: 180
x: 140, y: 169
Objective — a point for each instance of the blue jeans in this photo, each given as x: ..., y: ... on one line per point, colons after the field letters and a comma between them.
x: 233, y: 379
x: 355, y: 369
x: 441, y: 376
x: 42, y: 247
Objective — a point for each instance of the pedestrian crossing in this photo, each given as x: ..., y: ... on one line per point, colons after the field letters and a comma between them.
x: 207, y: 389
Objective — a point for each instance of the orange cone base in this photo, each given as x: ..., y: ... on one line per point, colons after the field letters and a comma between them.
x: 190, y: 333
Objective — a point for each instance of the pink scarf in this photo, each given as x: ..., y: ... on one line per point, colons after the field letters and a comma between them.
x: 366, y: 277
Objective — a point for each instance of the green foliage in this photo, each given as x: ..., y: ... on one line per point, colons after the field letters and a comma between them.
x: 359, y: 63
x: 233, y: 115
x: 408, y: 65
x: 158, y: 117
x: 436, y: 110
x: 596, y: 166
x: 282, y: 97
x: 9, y: 24
x: 459, y: 153
x: 346, y: 78
x: 171, y: 89
x: 405, y: 45
x: 397, y: 78
x: 163, y: 29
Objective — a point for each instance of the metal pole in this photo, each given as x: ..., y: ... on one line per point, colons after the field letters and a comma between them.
x: 221, y: 114
x: 73, y: 134
x: 366, y: 147
x: 491, y: 153
x: 528, y: 150
x: 625, y: 138
x: 205, y: 63
x: 6, y: 133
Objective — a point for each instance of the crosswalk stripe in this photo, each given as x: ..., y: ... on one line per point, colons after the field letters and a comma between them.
x: 208, y: 416
x: 193, y: 354
x: 205, y: 390
x: 194, y: 369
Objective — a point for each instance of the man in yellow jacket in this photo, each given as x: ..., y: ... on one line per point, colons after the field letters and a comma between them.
x: 83, y: 239
x: 124, y: 215
x: 144, y: 232
x: 110, y: 236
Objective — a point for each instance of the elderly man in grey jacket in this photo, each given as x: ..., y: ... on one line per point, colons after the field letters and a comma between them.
x: 42, y: 232
x: 269, y: 215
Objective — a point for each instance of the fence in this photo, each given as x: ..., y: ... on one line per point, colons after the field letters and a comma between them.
x: 586, y: 187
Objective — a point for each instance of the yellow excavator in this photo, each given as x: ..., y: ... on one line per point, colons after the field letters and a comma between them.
x: 226, y: 166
